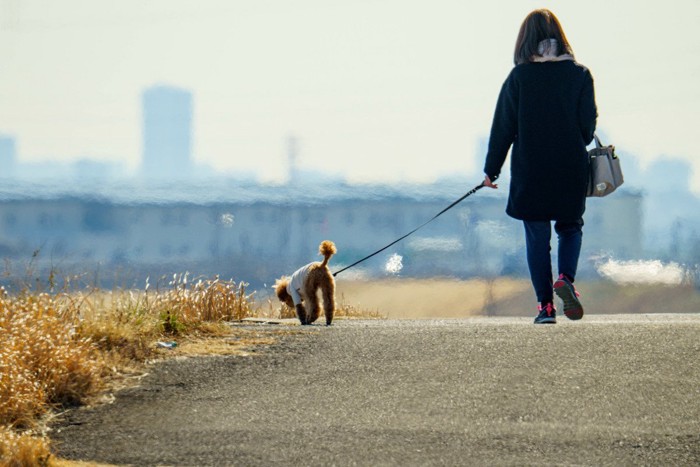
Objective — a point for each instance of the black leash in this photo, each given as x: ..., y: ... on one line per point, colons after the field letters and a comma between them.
x: 471, y: 192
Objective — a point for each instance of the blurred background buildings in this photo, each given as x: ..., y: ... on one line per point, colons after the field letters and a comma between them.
x: 173, y: 216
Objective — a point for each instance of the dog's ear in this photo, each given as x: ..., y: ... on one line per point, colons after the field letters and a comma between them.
x: 281, y: 289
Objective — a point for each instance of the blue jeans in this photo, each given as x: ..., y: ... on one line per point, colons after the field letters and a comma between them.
x: 537, y: 238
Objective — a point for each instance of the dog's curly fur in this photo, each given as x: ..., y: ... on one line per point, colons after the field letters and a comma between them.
x: 319, y: 277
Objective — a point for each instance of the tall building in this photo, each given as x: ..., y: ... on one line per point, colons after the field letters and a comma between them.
x: 167, y: 132
x: 8, y: 155
x: 293, y: 159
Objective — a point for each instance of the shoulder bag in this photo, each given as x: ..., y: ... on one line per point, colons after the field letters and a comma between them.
x: 605, y: 173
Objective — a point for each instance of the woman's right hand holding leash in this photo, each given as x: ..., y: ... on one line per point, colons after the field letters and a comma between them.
x: 489, y: 183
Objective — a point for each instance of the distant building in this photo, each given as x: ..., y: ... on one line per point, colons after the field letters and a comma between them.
x: 167, y: 132
x: 257, y: 233
x: 93, y: 169
x: 8, y: 155
x: 293, y: 159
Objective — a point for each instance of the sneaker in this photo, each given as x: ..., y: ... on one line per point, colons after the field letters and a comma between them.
x: 547, y: 314
x: 567, y: 292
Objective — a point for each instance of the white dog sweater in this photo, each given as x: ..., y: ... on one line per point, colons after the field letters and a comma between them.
x: 296, y: 283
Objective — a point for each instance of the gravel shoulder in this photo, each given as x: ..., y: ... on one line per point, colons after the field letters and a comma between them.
x: 609, y: 390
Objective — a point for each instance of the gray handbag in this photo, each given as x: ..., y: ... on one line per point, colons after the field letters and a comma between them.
x: 605, y: 172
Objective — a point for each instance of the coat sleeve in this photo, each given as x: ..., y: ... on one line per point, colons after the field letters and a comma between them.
x: 296, y: 282
x: 504, y: 127
x: 588, y: 111
x: 296, y: 297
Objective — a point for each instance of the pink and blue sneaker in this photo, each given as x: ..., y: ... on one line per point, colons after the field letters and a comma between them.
x: 547, y: 314
x: 568, y: 294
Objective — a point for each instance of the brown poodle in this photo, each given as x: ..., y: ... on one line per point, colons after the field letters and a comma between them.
x: 304, y: 284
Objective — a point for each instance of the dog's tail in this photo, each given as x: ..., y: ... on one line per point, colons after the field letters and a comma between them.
x: 327, y: 249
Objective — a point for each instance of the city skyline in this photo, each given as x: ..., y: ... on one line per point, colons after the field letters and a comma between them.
x: 378, y: 92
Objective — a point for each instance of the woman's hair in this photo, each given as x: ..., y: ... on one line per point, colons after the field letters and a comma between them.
x: 538, y: 26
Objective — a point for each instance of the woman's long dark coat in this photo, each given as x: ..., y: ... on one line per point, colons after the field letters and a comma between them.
x: 547, y: 112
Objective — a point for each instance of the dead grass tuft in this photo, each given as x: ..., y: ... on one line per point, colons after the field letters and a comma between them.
x: 23, y: 450
x: 345, y: 310
x: 186, y: 303
x: 44, y: 360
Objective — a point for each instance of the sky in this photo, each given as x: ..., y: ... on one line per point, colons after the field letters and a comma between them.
x: 374, y: 90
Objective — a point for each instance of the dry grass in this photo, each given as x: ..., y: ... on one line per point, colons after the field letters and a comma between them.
x: 452, y: 298
x: 58, y: 350
x: 45, y: 361
x: 67, y: 463
x: 61, y: 349
x: 432, y: 298
x: 22, y: 450
x: 186, y: 303
x: 237, y: 343
x: 346, y: 310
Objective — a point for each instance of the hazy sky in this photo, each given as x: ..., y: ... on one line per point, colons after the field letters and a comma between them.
x: 380, y: 90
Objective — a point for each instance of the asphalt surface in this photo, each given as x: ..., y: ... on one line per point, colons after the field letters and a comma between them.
x: 608, y: 390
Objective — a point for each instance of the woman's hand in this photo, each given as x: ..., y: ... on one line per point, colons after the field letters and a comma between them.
x: 488, y: 183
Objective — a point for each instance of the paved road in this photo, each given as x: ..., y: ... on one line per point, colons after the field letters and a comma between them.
x: 610, y: 390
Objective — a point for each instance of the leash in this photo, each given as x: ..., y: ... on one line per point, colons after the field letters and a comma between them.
x: 469, y: 193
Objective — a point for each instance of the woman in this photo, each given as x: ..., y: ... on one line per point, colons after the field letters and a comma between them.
x: 546, y: 110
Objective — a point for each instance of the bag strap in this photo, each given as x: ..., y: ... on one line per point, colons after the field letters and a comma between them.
x: 598, y: 144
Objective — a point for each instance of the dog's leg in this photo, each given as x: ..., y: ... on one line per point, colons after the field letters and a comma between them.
x: 311, y: 297
x: 328, y: 288
x: 301, y: 314
x: 313, y: 308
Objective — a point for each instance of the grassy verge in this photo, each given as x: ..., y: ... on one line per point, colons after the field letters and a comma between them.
x: 59, y: 350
